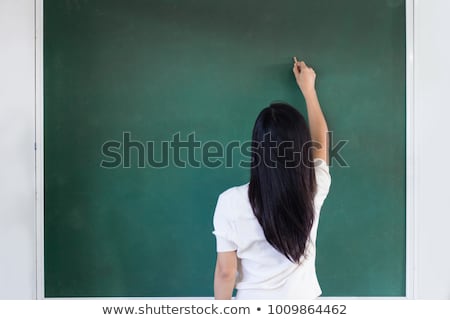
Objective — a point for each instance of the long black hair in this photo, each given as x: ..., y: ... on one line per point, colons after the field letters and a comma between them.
x: 282, y: 180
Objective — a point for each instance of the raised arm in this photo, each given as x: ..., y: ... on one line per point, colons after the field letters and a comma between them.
x: 306, y: 78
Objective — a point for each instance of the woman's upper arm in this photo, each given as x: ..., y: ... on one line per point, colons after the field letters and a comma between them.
x: 320, y: 148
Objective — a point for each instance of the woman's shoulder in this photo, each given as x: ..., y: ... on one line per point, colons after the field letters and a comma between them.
x: 234, y: 193
x: 322, y: 171
x: 233, y: 201
x: 323, y: 179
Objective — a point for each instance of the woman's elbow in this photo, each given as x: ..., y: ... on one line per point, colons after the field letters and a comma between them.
x: 225, y: 273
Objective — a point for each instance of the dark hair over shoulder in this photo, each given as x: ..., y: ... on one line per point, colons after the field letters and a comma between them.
x: 282, y: 180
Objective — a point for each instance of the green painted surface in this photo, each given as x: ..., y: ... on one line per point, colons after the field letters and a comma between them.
x: 155, y: 68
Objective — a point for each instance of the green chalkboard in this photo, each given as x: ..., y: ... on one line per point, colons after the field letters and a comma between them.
x: 153, y: 70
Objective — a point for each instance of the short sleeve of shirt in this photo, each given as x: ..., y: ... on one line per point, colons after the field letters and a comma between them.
x: 323, y: 180
x: 224, y: 229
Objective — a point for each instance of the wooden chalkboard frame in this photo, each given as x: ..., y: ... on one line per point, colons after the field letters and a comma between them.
x: 411, y: 273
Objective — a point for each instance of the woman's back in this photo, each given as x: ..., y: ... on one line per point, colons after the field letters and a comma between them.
x: 264, y: 272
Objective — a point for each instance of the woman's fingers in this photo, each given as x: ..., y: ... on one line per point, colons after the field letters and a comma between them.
x: 299, y: 64
x: 296, y: 68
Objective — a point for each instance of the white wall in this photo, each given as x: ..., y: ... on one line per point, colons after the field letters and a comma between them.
x: 17, y: 218
x: 431, y: 114
x: 432, y: 148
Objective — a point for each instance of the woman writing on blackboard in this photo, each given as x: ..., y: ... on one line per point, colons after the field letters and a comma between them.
x: 266, y: 229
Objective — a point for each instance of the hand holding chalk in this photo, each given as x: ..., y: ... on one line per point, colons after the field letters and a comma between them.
x: 305, y: 77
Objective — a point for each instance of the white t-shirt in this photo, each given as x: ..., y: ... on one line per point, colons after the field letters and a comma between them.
x: 263, y: 272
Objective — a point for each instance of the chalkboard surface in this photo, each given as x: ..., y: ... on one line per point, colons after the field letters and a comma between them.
x: 117, y: 72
